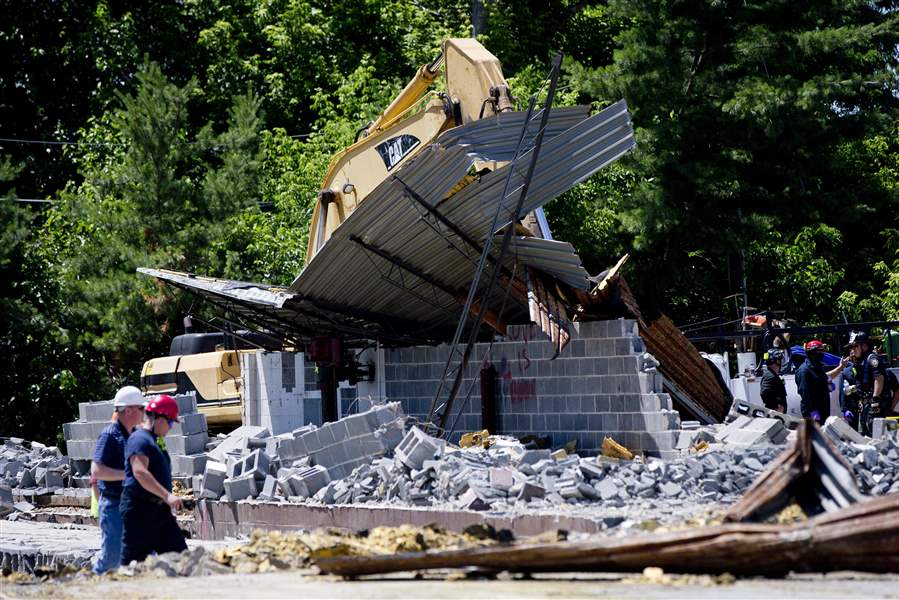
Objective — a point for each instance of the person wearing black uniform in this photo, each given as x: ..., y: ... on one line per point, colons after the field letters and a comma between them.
x: 874, y: 399
x: 148, y: 505
x: 773, y: 390
x: 814, y: 382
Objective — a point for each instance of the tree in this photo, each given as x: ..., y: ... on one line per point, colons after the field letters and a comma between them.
x: 155, y: 194
x: 40, y: 370
x: 741, y: 109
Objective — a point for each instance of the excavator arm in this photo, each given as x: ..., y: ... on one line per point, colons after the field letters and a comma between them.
x: 475, y: 88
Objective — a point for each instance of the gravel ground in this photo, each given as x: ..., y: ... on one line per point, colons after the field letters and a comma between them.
x: 566, y: 585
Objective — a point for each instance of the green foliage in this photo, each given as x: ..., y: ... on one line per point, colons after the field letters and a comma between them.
x: 156, y: 195
x: 768, y: 151
x: 743, y: 112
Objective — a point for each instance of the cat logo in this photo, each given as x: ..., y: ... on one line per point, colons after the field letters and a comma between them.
x: 395, y: 149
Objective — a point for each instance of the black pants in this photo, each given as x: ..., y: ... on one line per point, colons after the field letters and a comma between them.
x: 873, y: 409
x: 148, y: 526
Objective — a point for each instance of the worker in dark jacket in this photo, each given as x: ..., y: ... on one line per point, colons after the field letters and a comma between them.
x: 813, y: 382
x: 773, y: 390
x: 148, y: 505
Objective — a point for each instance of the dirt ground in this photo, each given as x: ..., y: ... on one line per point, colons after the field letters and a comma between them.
x: 298, y: 584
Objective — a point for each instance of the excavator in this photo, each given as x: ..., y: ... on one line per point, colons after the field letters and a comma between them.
x: 401, y: 217
x: 475, y: 88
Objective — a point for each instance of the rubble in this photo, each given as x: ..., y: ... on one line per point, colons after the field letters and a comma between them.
x: 304, y: 462
x: 32, y: 465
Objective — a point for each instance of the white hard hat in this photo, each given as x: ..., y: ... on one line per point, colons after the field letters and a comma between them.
x: 128, y: 396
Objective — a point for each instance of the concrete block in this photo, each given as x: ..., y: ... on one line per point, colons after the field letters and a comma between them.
x: 256, y: 464
x: 735, y: 425
x: 82, y: 450
x: 95, y: 411
x: 236, y: 440
x: 418, y: 447
x: 240, y: 488
x: 745, y: 438
x: 214, y: 476
x: 685, y: 439
x: 235, y: 466
x: 606, y: 489
x: 501, y: 479
x: 283, y: 448
x: 27, y: 479
x: 54, y: 479
x: 268, y: 488
x: 188, y: 465
x: 307, y: 482
x: 190, y: 423
x: 187, y: 403
x: 186, y: 444
x: 590, y: 470
x: 373, y: 445
x: 310, y: 442
x: 839, y: 431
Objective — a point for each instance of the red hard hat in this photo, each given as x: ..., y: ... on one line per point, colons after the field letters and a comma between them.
x: 812, y: 346
x: 163, y: 405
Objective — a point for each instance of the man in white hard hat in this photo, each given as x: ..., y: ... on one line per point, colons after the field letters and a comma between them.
x: 108, y: 471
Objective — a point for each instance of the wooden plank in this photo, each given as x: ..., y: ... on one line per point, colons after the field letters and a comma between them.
x: 866, y: 538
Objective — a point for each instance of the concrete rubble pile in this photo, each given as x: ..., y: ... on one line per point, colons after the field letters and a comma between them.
x: 32, y: 466
x: 507, y: 474
x: 876, y: 464
x: 250, y: 463
x: 368, y: 458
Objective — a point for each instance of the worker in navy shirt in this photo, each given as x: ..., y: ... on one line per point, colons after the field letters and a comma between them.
x: 148, y: 505
x: 108, y: 470
x: 813, y: 382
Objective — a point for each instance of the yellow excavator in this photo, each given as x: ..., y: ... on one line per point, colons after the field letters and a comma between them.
x: 475, y: 89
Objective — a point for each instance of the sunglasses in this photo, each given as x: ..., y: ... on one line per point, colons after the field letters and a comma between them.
x: 171, y: 422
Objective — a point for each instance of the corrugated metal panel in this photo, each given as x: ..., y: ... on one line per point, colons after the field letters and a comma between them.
x: 344, y: 274
x: 490, y: 138
x: 556, y: 258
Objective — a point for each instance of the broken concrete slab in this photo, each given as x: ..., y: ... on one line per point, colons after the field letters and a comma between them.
x: 838, y: 430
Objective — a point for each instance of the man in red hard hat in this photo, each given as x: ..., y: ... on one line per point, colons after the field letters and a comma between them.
x: 148, y: 505
x: 813, y: 382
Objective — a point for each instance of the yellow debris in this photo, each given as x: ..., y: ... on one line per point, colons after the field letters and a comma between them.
x: 700, y: 446
x: 271, y: 550
x: 791, y: 514
x: 615, y: 450
x: 476, y: 438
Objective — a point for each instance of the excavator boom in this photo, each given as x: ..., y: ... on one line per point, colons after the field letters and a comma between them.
x: 475, y: 88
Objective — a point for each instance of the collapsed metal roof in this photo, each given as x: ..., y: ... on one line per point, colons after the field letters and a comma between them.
x: 396, y: 268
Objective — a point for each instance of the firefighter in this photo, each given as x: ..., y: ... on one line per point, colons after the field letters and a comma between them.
x: 773, y: 389
x: 148, y: 505
x: 869, y: 370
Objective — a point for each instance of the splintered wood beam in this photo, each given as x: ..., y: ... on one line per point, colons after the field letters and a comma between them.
x: 862, y: 537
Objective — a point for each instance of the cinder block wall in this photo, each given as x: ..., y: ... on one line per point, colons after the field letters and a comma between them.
x: 595, y: 388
